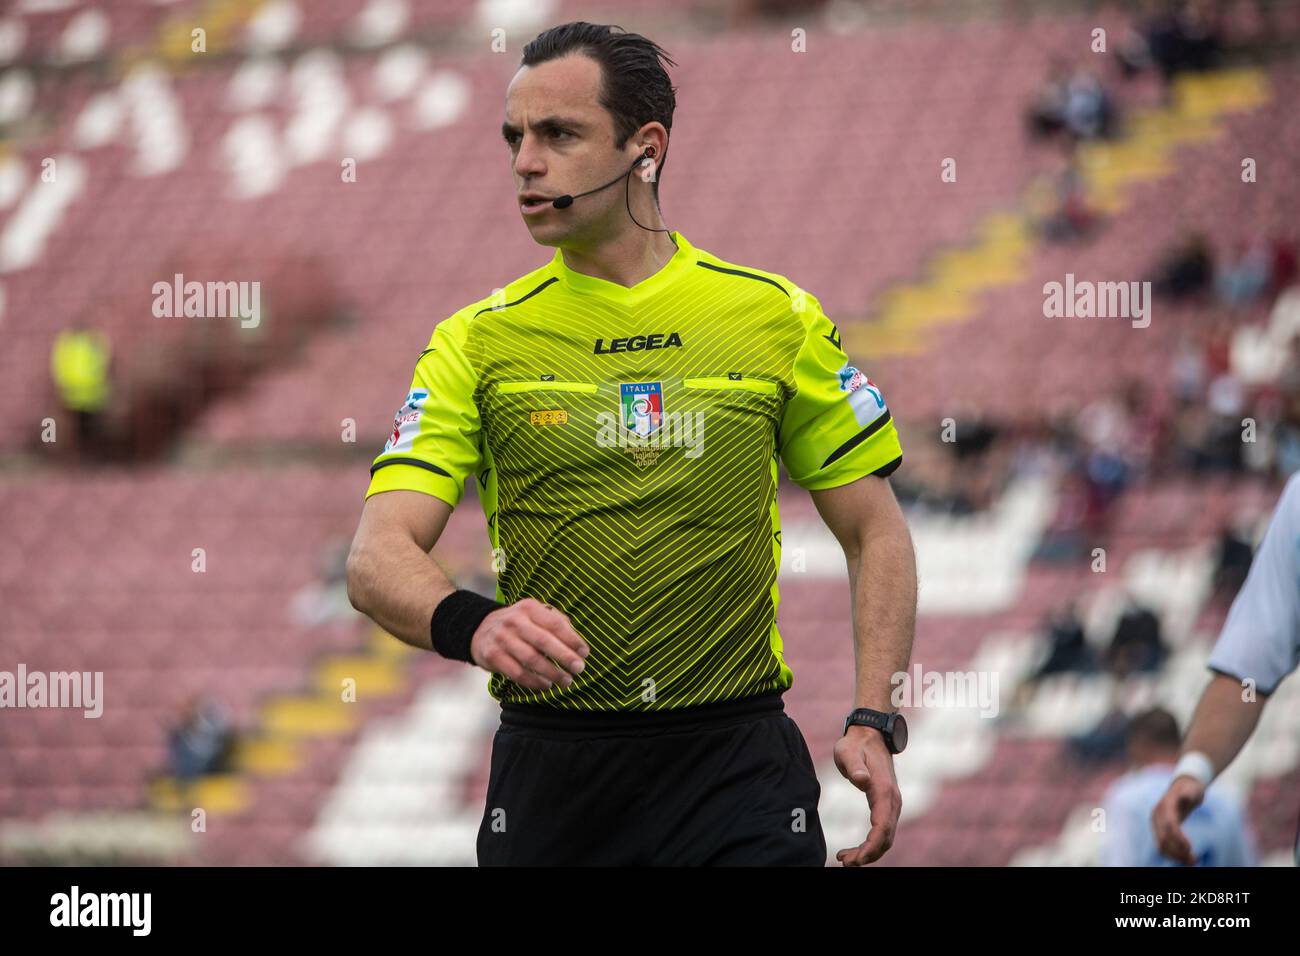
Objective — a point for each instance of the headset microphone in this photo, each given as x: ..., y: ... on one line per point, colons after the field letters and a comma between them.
x: 565, y: 201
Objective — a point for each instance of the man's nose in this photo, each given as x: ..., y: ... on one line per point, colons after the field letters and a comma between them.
x: 528, y: 160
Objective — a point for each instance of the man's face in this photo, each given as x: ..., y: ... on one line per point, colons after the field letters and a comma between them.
x: 561, y: 141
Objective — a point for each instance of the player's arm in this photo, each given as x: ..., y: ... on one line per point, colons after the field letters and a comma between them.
x: 391, y: 577
x: 416, y: 482
x: 1225, y: 718
x: 865, y: 518
x: 394, y: 581
x: 1256, y: 650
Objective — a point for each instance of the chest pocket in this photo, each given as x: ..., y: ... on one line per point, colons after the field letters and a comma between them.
x: 726, y: 383
x: 545, y: 385
x: 543, y: 402
x: 738, y: 415
x: 537, y: 417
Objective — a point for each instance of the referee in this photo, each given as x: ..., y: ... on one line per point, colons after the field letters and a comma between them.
x: 623, y: 410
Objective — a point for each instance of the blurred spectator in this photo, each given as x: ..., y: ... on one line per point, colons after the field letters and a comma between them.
x: 1089, y: 109
x: 1217, y: 828
x: 1246, y: 273
x: 1147, y: 426
x: 201, y: 741
x: 1259, y: 268
x: 79, y: 365
x: 1046, y: 113
x: 1067, y: 652
x: 1105, y: 427
x: 1137, y: 646
x: 1172, y: 38
x: 1208, y: 435
x: 1104, y: 743
x: 1071, y: 102
x: 1107, y: 474
x: 1188, y: 369
x: 977, y: 474
x: 1198, y: 43
x: 1067, y: 649
x: 1060, y: 200
x: 1185, y: 270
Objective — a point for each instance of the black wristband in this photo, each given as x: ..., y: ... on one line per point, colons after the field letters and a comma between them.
x: 455, y: 620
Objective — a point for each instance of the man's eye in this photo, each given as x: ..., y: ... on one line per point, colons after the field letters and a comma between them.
x: 513, y: 139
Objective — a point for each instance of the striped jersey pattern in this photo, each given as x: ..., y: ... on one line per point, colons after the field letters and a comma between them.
x: 625, y: 444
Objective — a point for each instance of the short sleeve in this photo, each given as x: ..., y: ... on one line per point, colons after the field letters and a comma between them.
x: 836, y: 427
x: 1261, y: 636
x: 434, y: 444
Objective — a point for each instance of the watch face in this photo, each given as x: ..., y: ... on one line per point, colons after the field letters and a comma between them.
x: 899, y: 733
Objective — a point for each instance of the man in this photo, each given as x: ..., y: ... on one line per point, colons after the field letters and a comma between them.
x: 623, y: 409
x: 1259, y: 646
x: 1217, y: 829
x: 79, y: 365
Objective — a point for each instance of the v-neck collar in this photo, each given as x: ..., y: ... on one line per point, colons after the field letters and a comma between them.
x: 681, y: 262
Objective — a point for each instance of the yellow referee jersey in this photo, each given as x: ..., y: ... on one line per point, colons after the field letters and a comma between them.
x: 625, y: 444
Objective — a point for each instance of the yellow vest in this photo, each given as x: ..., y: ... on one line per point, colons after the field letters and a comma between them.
x: 79, y: 364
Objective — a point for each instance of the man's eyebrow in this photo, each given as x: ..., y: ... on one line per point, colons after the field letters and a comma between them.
x: 546, y: 122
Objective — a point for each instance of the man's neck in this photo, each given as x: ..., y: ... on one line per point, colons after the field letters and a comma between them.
x: 627, y: 260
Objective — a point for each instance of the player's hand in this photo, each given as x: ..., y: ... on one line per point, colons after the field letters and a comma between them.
x: 865, y: 761
x: 1183, y: 796
x: 525, y: 641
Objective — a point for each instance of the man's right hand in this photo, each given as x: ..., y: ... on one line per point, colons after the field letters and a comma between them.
x: 524, y: 642
x: 1183, y: 796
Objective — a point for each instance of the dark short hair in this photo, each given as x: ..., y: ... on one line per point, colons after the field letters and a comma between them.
x: 1156, y: 727
x: 635, y: 88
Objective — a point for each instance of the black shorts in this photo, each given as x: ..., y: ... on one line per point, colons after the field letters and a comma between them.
x: 727, y: 784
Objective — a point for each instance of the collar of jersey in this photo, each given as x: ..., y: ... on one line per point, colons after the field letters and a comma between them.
x: 674, y: 268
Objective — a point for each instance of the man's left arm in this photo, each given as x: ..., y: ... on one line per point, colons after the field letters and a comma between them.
x: 865, y: 518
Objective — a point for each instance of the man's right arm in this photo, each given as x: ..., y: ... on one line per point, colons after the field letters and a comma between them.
x: 391, y: 577
x: 393, y: 580
x: 416, y: 482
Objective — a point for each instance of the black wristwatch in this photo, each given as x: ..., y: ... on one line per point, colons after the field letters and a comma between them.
x: 891, y: 726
